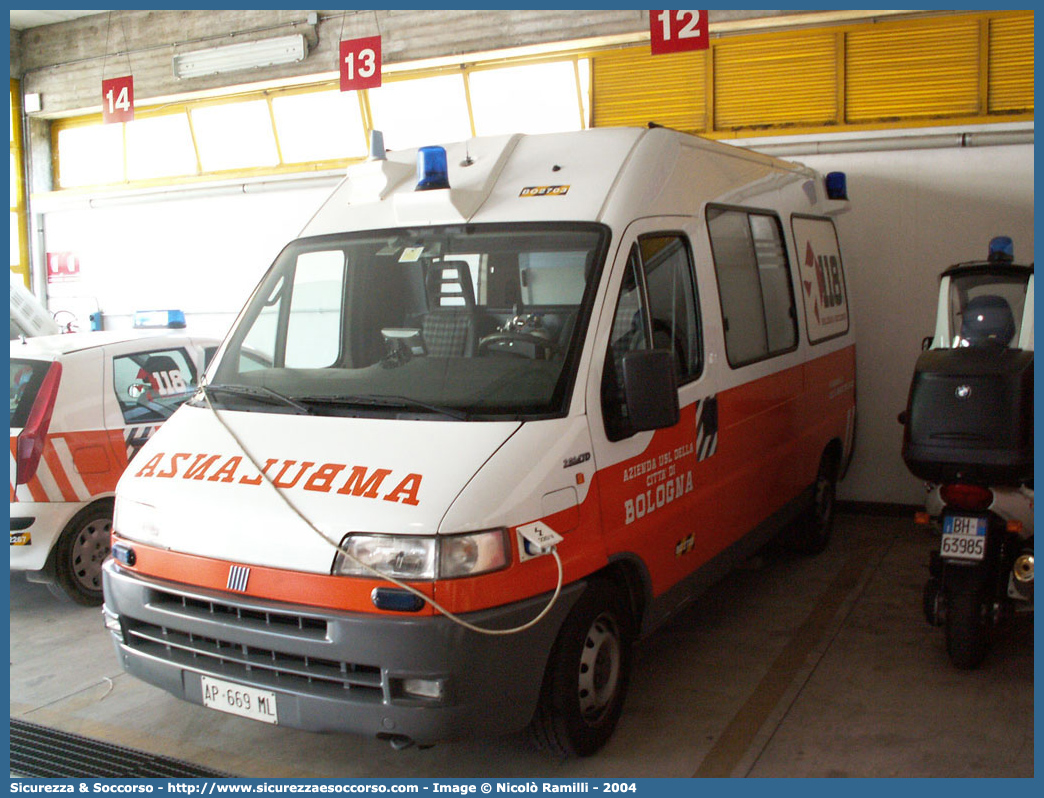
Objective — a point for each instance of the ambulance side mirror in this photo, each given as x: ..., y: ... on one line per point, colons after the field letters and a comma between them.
x: 651, y: 387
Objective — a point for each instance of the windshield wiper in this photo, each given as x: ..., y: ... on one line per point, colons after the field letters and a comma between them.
x: 259, y: 393
x: 384, y: 401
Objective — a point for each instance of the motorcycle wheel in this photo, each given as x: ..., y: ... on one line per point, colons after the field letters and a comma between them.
x: 930, y: 601
x: 966, y: 629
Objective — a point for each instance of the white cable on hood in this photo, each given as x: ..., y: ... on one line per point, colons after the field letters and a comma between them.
x: 366, y: 566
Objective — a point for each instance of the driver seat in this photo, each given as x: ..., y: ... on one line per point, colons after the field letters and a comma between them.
x: 449, y: 328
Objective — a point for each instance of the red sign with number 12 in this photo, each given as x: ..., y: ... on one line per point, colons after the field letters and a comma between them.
x: 118, y: 99
x: 361, y: 63
x: 678, y: 31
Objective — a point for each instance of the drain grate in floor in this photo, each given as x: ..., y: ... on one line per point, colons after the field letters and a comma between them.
x: 40, y: 752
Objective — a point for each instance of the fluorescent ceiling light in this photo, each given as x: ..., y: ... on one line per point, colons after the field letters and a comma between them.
x: 248, y: 55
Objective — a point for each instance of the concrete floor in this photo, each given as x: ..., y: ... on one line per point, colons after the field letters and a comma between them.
x: 792, y: 667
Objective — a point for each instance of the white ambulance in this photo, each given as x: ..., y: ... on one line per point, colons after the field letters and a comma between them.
x: 528, y: 395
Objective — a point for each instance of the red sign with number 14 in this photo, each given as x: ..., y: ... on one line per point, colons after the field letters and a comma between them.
x: 678, y: 31
x: 118, y: 99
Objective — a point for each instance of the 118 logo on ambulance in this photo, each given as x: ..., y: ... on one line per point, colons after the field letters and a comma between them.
x: 822, y: 278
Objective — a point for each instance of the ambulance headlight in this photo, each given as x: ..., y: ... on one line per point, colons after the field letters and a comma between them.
x: 413, y: 557
x: 135, y: 520
x: 401, y: 556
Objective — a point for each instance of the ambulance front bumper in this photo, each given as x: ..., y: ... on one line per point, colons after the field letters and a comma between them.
x: 423, y: 679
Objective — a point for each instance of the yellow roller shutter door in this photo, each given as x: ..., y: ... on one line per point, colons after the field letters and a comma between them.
x: 632, y: 87
x: 782, y: 81
x: 920, y: 71
x: 1011, y: 64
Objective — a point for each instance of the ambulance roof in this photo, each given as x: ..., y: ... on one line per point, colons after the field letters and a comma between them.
x: 592, y: 175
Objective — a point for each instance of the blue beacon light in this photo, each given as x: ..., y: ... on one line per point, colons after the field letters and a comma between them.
x: 837, y: 186
x: 432, y: 169
x: 1002, y: 250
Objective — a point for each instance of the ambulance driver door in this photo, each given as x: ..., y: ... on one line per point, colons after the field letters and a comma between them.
x: 649, y: 481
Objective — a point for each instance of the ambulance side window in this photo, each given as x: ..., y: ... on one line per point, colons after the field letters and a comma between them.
x: 754, y: 284
x: 656, y: 309
x: 150, y: 386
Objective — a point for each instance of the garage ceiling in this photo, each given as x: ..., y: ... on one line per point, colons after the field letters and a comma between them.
x: 20, y: 20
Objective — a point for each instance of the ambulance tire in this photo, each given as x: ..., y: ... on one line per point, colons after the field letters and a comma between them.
x: 81, y: 548
x: 587, y: 674
x: 811, y: 534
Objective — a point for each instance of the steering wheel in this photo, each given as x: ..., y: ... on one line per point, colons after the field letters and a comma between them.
x: 508, y: 337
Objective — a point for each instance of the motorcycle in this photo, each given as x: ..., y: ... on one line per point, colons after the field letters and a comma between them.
x: 968, y: 432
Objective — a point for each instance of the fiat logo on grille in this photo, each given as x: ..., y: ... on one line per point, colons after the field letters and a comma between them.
x: 238, y: 575
x: 963, y: 391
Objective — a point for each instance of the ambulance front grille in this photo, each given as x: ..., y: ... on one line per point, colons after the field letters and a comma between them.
x: 301, y: 626
x: 279, y: 665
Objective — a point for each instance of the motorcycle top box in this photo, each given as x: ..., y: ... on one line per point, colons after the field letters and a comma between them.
x: 970, y: 416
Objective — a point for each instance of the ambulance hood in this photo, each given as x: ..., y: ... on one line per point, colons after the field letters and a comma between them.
x: 298, y: 484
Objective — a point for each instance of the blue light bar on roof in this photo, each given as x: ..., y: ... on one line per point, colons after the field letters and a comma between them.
x: 159, y: 319
x: 432, y: 169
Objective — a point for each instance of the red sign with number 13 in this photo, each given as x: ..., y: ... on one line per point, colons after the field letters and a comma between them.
x: 118, y: 99
x: 361, y: 63
x: 678, y: 31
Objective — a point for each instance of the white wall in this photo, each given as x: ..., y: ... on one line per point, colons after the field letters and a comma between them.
x: 203, y: 255
x: 913, y: 214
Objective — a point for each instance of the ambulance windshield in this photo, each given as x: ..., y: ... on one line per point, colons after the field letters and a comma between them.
x: 475, y: 321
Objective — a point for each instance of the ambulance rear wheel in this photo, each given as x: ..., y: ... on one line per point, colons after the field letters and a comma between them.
x: 81, y: 549
x: 587, y: 674
x: 811, y: 534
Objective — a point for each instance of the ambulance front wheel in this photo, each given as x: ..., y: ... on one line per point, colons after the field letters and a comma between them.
x: 587, y: 674
x: 82, y: 547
